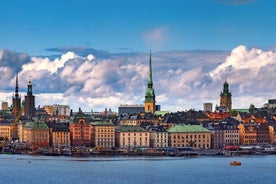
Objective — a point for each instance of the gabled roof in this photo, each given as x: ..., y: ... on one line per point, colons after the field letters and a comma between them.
x: 187, y: 129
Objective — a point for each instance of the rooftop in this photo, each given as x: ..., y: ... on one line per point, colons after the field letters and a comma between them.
x: 188, y: 129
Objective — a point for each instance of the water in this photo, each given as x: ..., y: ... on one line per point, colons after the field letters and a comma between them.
x: 136, y: 170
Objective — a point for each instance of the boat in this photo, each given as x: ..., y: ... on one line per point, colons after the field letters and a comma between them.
x: 235, y: 163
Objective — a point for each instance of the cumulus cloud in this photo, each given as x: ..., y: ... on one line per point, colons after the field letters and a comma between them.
x: 182, y: 79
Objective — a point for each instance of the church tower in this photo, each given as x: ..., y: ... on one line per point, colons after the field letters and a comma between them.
x: 150, y: 95
x: 226, y: 97
x: 16, y: 100
x: 29, y: 101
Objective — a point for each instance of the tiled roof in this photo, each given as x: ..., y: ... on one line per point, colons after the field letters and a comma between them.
x: 187, y: 129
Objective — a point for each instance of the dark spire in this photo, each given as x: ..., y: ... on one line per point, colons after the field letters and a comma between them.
x: 16, y: 86
x: 150, y: 82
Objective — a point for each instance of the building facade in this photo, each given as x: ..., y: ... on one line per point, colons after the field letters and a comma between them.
x: 36, y: 133
x: 158, y: 137
x: 103, y: 136
x: 190, y: 136
x: 5, y: 129
x: 130, y: 137
x: 81, y: 130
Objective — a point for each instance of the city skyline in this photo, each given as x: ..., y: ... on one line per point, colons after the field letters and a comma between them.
x: 93, y: 55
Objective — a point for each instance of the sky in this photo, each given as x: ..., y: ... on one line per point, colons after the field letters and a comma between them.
x: 94, y: 54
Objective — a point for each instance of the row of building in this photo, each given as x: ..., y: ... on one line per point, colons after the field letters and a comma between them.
x: 82, y: 130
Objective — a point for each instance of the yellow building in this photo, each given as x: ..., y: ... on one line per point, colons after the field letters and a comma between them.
x: 59, y: 135
x: 5, y: 129
x: 189, y: 136
x: 36, y: 134
x: 130, y: 137
x: 103, y: 135
x: 248, y: 134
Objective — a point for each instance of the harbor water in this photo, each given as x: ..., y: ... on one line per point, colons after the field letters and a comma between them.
x: 136, y: 170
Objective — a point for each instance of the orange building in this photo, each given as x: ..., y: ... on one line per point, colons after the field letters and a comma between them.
x: 81, y: 130
x: 247, y: 134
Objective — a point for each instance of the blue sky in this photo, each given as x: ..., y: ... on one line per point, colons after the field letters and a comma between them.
x: 70, y: 48
x: 33, y: 26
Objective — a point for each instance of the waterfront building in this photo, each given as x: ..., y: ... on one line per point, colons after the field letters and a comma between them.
x: 5, y: 129
x: 29, y: 102
x: 226, y: 97
x: 158, y: 136
x: 271, y: 134
x: 103, y: 135
x: 217, y: 137
x: 81, y: 130
x: 130, y: 137
x: 247, y: 134
x: 263, y: 135
x: 36, y: 133
x: 231, y: 135
x: 59, y: 135
x: 189, y: 136
x: 150, y: 94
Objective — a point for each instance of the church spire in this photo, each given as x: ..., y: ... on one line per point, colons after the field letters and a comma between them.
x: 16, y: 86
x: 150, y: 95
x: 150, y: 82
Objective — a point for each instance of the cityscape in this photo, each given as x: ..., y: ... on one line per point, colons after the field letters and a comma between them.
x: 136, y: 129
x: 138, y: 92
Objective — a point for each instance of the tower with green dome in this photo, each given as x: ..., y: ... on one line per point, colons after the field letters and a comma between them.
x: 226, y: 97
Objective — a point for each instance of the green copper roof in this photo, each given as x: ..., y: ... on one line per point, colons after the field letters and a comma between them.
x: 150, y: 95
x: 102, y: 123
x: 225, y: 91
x: 36, y: 125
x: 131, y: 129
x: 162, y: 113
x: 187, y: 129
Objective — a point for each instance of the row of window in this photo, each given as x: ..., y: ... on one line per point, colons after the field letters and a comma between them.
x: 187, y: 136
x: 135, y: 134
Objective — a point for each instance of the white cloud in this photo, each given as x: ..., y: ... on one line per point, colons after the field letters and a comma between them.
x: 39, y: 63
x: 182, y: 79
